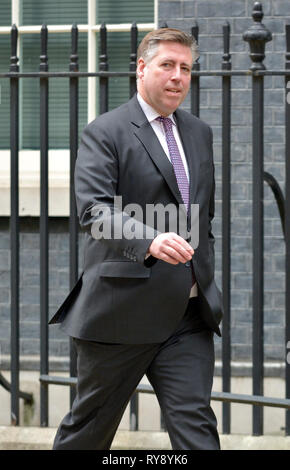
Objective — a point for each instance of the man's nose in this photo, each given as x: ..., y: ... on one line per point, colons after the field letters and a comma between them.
x: 176, y: 73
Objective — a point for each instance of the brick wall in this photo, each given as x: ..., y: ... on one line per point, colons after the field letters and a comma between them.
x: 210, y: 16
x: 30, y: 285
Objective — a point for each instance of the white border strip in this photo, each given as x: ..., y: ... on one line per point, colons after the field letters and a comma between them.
x: 83, y: 28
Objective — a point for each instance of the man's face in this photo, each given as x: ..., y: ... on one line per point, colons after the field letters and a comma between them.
x: 164, y: 81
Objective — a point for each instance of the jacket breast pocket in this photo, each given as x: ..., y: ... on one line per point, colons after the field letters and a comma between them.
x: 124, y: 269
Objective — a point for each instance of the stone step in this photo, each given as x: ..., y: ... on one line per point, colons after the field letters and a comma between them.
x: 37, y: 438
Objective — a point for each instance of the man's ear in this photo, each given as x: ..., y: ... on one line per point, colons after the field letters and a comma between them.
x: 140, y: 68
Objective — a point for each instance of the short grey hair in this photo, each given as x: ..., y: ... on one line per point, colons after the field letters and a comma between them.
x: 150, y: 43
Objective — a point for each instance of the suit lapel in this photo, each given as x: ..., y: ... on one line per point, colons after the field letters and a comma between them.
x: 148, y: 138
x: 146, y: 135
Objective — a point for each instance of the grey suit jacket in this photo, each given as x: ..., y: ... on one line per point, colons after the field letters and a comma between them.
x: 119, y: 297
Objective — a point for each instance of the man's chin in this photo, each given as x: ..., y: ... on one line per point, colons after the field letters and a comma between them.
x: 173, y: 104
x: 170, y: 110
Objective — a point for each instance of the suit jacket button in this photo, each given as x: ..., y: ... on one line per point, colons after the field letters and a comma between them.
x: 187, y: 264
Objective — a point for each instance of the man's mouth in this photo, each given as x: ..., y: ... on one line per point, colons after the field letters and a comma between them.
x: 172, y: 90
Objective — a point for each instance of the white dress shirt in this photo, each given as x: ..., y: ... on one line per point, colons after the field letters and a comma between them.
x: 157, y: 127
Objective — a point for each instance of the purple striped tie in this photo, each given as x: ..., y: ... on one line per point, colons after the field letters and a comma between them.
x: 176, y: 160
x: 178, y: 167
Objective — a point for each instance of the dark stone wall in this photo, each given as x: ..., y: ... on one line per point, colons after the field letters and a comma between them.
x: 210, y: 16
x: 30, y: 284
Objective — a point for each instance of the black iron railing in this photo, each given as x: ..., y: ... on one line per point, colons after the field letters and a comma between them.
x: 257, y: 36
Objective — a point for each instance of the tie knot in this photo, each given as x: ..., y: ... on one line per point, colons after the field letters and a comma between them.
x: 165, y: 121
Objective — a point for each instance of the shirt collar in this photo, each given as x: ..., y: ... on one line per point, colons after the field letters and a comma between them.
x: 150, y: 112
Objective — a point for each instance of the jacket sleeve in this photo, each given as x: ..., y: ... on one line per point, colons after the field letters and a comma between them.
x: 96, y: 189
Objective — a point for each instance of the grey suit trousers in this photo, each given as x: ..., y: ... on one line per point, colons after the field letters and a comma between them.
x: 180, y: 370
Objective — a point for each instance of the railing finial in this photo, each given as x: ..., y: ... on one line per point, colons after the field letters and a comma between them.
x: 103, y: 65
x: 257, y: 35
x: 226, y: 64
x: 73, y: 66
x: 194, y: 31
x: 43, y: 67
x: 14, y: 67
x: 287, y: 31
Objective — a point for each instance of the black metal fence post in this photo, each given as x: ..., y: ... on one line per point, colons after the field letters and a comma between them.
x: 73, y: 219
x: 287, y: 224
x: 257, y: 36
x: 226, y: 227
x: 44, y: 227
x: 103, y: 67
x: 195, y: 88
x: 134, y: 402
x: 133, y: 57
x: 14, y: 227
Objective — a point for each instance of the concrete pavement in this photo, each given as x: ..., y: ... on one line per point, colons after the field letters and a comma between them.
x: 36, y: 438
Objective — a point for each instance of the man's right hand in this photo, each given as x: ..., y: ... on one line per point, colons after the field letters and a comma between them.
x: 171, y: 248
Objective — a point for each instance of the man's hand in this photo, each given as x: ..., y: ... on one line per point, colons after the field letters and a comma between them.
x: 171, y: 248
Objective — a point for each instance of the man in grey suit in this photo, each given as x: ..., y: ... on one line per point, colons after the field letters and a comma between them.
x: 146, y: 302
